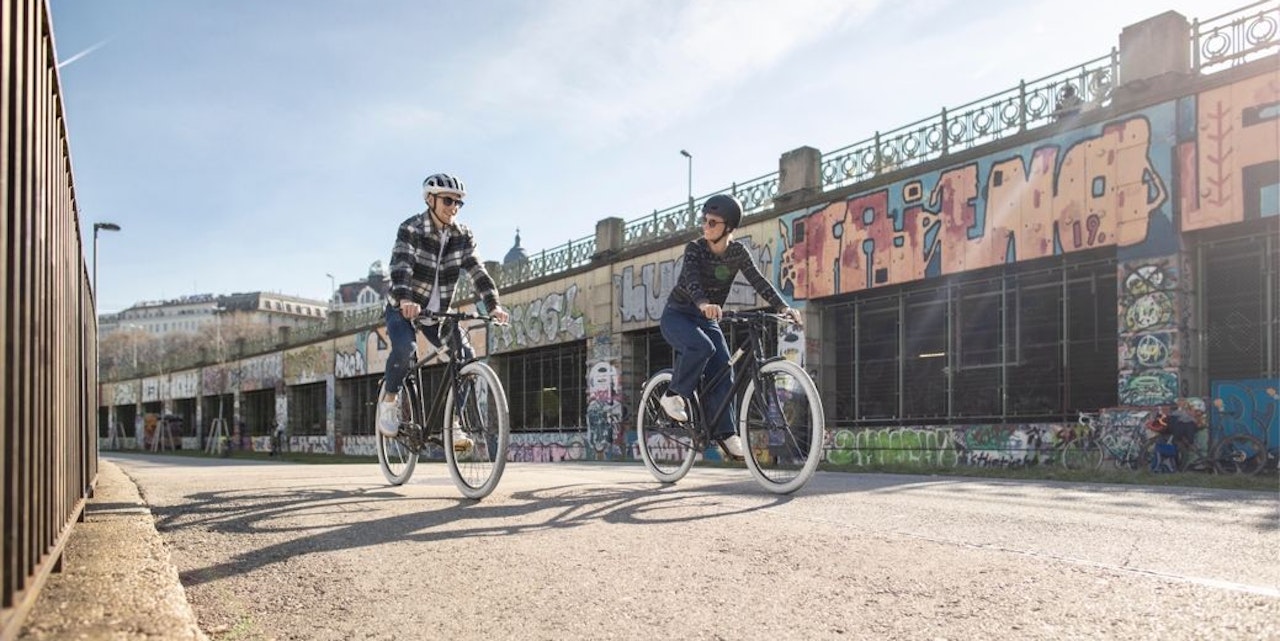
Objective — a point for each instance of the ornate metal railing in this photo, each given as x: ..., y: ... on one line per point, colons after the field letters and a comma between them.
x: 1030, y: 104
x: 756, y: 195
x: 1236, y: 37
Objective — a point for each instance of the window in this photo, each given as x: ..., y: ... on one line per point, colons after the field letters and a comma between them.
x: 1025, y: 342
x: 547, y: 387
x: 355, y: 404
x: 306, y: 409
x: 1241, y: 303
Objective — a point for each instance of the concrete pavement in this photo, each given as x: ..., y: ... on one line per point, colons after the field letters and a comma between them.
x: 117, y: 580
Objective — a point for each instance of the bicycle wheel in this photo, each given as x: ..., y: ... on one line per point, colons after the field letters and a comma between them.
x: 482, y: 414
x: 1081, y: 454
x: 781, y: 426
x: 395, y: 456
x: 667, y: 447
x: 1240, y: 454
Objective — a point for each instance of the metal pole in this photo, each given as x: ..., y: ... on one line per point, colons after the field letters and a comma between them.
x: 688, y: 156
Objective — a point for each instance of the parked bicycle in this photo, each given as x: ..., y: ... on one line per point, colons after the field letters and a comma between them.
x: 780, y: 422
x: 470, y: 396
x: 1077, y: 446
x: 1176, y: 447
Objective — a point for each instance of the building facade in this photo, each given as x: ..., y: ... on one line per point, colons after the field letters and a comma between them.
x: 968, y: 294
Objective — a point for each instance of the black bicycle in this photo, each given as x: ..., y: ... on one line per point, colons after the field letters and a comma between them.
x: 470, y: 397
x: 780, y: 416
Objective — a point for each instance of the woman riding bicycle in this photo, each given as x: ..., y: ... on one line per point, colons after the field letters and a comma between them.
x: 689, y: 325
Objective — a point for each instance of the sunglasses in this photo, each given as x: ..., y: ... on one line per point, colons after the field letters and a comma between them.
x: 450, y: 201
x: 711, y: 222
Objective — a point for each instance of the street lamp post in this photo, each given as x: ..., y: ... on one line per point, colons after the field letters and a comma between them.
x: 97, y: 362
x: 333, y: 288
x: 688, y: 156
x: 96, y: 228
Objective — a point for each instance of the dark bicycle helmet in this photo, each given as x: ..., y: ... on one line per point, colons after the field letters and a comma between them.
x: 726, y: 207
x: 443, y: 183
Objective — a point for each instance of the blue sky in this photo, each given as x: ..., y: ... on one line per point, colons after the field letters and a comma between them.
x: 245, y: 145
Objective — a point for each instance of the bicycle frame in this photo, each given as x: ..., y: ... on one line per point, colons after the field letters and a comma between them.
x: 453, y: 346
x: 743, y: 369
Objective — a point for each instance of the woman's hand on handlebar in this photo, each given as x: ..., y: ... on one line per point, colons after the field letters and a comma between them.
x: 711, y: 311
x: 794, y: 315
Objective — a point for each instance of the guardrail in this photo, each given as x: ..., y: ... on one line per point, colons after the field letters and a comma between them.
x: 48, y: 360
x: 1235, y: 37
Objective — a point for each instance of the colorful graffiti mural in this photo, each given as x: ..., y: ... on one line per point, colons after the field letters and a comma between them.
x: 308, y: 364
x: 1149, y: 318
x: 1249, y: 406
x: 546, y: 320
x: 605, y: 403
x: 1229, y: 153
x: 1089, y: 188
x: 549, y: 447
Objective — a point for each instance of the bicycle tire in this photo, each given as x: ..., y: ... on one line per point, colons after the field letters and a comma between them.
x: 397, y: 459
x: 485, y: 418
x: 1080, y: 454
x: 666, y: 447
x: 782, y: 427
x: 1240, y: 454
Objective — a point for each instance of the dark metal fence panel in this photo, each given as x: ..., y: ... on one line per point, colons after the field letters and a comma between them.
x: 48, y: 362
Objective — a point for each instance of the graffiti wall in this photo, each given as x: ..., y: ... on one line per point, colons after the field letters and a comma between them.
x: 308, y: 364
x: 184, y: 384
x: 122, y: 393
x: 641, y: 287
x: 1149, y: 318
x: 1229, y: 153
x: 545, y: 315
x: 259, y: 372
x: 1095, y: 187
x: 1247, y: 407
x: 549, y: 447
x: 605, y: 402
x: 154, y: 389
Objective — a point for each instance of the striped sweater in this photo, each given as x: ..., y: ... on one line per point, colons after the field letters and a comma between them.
x: 706, y: 277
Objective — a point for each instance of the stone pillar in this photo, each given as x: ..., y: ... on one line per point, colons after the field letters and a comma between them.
x: 1153, y: 53
x: 1154, y: 304
x: 799, y: 173
x: 610, y: 236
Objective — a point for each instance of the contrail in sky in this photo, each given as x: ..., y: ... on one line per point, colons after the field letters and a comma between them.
x: 82, y: 54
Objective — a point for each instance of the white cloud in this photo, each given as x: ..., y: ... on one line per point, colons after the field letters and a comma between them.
x: 608, y: 71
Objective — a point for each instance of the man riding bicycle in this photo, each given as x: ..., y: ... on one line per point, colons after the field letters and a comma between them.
x: 430, y: 253
x: 689, y: 325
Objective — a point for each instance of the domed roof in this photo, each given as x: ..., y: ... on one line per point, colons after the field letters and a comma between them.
x: 516, y: 254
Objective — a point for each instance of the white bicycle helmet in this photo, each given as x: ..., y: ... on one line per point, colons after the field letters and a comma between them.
x: 443, y: 183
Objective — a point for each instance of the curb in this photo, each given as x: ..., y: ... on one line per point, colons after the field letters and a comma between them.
x: 117, y: 580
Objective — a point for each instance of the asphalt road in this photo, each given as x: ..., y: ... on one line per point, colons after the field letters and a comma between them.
x: 582, y: 551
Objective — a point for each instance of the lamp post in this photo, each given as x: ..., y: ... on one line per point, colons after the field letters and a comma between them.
x: 96, y: 228
x: 333, y: 288
x: 688, y: 156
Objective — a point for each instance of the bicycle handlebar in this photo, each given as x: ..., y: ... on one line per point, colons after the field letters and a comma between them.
x: 457, y: 316
x: 753, y: 316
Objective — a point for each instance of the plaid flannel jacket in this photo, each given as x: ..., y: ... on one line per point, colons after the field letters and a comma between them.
x: 417, y: 256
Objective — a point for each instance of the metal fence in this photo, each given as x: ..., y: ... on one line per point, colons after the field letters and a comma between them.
x: 1235, y: 37
x: 47, y: 358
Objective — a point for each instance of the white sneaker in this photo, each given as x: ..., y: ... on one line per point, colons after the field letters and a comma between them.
x: 388, y: 421
x: 461, y: 442
x: 674, y: 407
x: 733, y: 446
